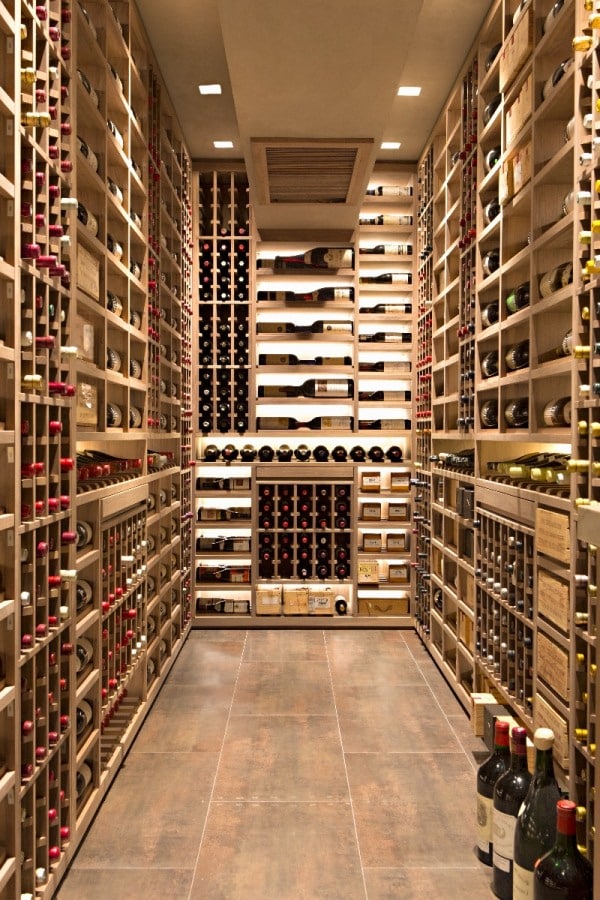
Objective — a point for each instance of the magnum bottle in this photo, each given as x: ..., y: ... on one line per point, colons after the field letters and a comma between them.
x: 386, y: 337
x: 322, y: 388
x: 318, y: 327
x: 383, y: 309
x: 487, y: 775
x: 509, y: 792
x: 319, y: 423
x: 563, y: 873
x: 290, y: 359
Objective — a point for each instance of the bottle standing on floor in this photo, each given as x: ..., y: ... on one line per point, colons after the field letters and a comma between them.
x: 487, y: 775
x: 535, y: 831
x: 509, y: 792
x: 563, y: 873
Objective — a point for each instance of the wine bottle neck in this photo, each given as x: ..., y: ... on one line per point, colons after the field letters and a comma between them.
x: 544, y: 765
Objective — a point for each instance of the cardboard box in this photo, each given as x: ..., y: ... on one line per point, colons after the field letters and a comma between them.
x: 87, y: 404
x: 268, y: 601
x: 321, y: 601
x: 520, y: 111
x: 516, y: 50
x: 88, y: 272
x: 522, y: 167
x: 553, y: 665
x: 386, y: 606
x: 295, y: 601
x: 553, y: 534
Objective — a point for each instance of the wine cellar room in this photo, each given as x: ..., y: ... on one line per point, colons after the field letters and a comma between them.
x: 300, y: 503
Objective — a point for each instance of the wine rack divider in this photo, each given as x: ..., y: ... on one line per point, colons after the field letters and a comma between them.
x: 529, y: 572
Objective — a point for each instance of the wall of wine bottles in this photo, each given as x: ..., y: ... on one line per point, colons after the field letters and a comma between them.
x: 505, y: 595
x: 96, y: 500
x: 304, y: 358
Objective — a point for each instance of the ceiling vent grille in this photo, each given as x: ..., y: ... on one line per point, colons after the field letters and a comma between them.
x: 310, y: 171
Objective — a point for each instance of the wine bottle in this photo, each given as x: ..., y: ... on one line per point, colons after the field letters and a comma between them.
x: 491, y: 261
x: 565, y: 348
x: 385, y: 424
x: 384, y: 309
x: 556, y: 278
x: 290, y: 359
x: 330, y: 293
x: 509, y: 792
x: 386, y: 337
x: 516, y: 413
x: 394, y: 220
x: 535, y: 831
x: 322, y: 388
x: 563, y: 873
x: 387, y: 250
x: 319, y: 423
x: 518, y: 299
x: 387, y: 278
x: 390, y: 190
x: 86, y: 218
x: 517, y: 356
x: 318, y: 327
x: 490, y: 314
x: 397, y: 365
x: 487, y: 775
x: 379, y: 396
x: 317, y: 258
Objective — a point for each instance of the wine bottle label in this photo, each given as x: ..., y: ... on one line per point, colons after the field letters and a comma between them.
x: 484, y: 823
x: 522, y: 883
x: 331, y: 389
x: 504, y: 838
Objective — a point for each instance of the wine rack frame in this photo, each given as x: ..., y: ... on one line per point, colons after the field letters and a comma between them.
x: 525, y: 582
x: 75, y: 569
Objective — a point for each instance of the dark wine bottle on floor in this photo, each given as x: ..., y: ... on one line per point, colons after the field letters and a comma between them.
x: 509, y: 792
x: 563, y: 873
x: 487, y: 775
x: 535, y: 831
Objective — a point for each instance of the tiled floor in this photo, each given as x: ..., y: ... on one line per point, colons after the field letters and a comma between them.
x: 292, y: 765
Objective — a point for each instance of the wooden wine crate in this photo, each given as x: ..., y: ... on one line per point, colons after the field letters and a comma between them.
x: 386, y: 606
x: 522, y: 167
x: 84, y: 339
x: 520, y: 111
x: 321, y: 601
x: 397, y: 542
x: 370, y: 481
x: 372, y: 542
x: 398, y: 512
x: 268, y: 601
x: 506, y: 187
x: 553, y: 599
x: 516, y: 50
x: 87, y: 404
x: 370, y: 511
x: 88, y: 272
x: 545, y: 716
x: 400, y: 482
x: 295, y: 600
x: 478, y: 704
x: 553, y: 534
x: 553, y: 665
x: 368, y: 572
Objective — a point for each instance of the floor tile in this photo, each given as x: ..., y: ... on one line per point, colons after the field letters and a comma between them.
x: 279, y: 851
x: 428, y: 884
x: 283, y: 645
x: 396, y: 668
x: 126, y: 834
x: 361, y: 643
x: 473, y: 746
x: 207, y: 664
x: 282, y: 758
x: 186, y: 718
x: 399, y: 798
x: 393, y: 718
x: 126, y: 884
x: 280, y: 688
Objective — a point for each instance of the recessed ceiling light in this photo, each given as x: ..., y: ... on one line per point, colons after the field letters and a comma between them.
x: 406, y: 90
x: 223, y: 145
x: 209, y: 88
x: 390, y: 145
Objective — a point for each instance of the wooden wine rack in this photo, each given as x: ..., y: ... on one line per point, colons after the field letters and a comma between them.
x: 507, y: 596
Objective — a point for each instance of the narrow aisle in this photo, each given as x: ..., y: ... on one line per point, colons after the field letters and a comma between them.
x: 292, y: 765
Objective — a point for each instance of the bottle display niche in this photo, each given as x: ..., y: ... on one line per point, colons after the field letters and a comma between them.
x: 296, y: 371
x: 95, y: 412
x: 506, y: 532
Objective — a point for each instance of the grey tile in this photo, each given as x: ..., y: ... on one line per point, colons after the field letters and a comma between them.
x: 428, y: 884
x: 279, y: 851
x: 282, y: 758
x: 413, y: 809
x: 284, y: 644
x: 284, y: 688
x: 126, y: 884
x: 153, y: 815
x: 393, y: 718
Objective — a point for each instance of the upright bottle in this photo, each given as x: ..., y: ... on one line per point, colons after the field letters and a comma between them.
x: 509, y: 792
x: 487, y: 775
x: 563, y: 873
x: 535, y: 831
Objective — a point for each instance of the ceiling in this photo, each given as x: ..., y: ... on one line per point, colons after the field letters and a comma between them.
x: 301, y: 70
